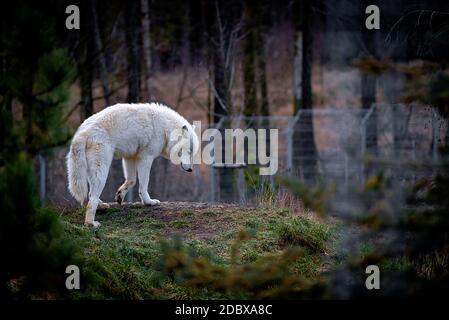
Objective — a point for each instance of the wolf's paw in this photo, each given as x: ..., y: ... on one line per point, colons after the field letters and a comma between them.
x: 94, y: 224
x: 152, y: 202
x: 103, y: 205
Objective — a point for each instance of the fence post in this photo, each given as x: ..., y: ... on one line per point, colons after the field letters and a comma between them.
x: 241, y: 186
x: 212, y: 184
x: 212, y: 180
x: 289, y: 148
x: 290, y: 131
x: 42, y: 178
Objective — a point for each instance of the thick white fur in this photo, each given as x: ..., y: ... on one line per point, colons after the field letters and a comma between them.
x: 137, y: 133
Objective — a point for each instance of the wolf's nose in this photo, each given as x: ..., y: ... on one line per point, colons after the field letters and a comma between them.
x: 189, y: 170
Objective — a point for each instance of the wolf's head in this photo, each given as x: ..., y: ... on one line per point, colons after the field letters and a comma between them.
x: 185, y: 147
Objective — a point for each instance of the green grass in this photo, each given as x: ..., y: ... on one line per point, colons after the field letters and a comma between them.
x: 303, y: 232
x: 133, y: 253
x: 179, y: 224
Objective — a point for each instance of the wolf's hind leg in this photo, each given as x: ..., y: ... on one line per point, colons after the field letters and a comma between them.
x: 143, y: 170
x: 129, y: 170
x: 99, y: 160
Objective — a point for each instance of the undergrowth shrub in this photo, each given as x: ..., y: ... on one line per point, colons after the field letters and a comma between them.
x: 34, y: 248
x: 271, y: 276
x: 305, y: 233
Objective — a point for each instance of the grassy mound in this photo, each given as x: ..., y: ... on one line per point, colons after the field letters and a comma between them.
x: 199, y: 251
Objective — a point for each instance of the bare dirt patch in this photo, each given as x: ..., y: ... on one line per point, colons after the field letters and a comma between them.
x: 194, y: 220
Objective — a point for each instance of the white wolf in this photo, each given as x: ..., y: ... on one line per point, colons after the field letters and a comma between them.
x: 137, y: 133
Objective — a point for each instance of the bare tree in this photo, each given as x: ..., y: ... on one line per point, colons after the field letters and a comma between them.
x: 260, y: 40
x: 297, y: 71
x: 254, y: 66
x: 262, y: 76
x: 86, y: 78
x: 146, y: 48
x: 249, y: 60
x: 84, y: 55
x: 83, y: 52
x: 368, y: 85
x: 225, y: 37
x: 99, y: 51
x: 297, y: 77
x: 305, y: 149
x: 132, y: 42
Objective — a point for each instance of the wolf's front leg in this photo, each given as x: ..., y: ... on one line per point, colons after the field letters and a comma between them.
x: 143, y: 171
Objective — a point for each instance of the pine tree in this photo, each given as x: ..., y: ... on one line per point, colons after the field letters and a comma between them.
x: 36, y: 77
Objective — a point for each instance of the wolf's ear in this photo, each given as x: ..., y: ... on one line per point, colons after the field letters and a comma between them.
x: 193, y: 127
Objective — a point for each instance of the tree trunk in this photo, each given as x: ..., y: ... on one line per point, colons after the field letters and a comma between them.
x: 306, y: 79
x: 369, y: 100
x: 132, y: 43
x: 221, y: 89
x: 84, y: 55
x: 297, y: 72
x: 249, y: 55
x: 207, y: 51
x: 146, y: 48
x: 260, y: 27
x: 85, y: 67
x: 306, y: 146
x: 264, y: 104
x: 196, y: 25
x: 100, y: 51
x: 368, y: 87
x: 86, y: 78
x: 259, y: 51
x: 297, y: 84
x: 222, y: 96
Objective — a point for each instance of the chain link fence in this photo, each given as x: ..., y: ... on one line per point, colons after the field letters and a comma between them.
x: 343, y: 147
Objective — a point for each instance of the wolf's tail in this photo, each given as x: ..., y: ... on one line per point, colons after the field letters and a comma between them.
x: 77, y: 168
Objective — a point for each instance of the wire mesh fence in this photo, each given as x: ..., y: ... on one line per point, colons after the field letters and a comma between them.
x: 339, y: 146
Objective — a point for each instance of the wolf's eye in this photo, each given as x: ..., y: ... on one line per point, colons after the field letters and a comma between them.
x: 180, y: 153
